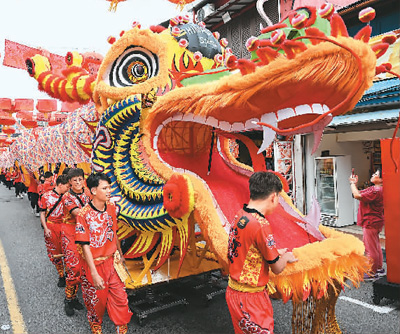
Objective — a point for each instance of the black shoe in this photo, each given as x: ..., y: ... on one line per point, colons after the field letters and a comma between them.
x: 69, y: 307
x: 61, y: 282
x: 76, y: 304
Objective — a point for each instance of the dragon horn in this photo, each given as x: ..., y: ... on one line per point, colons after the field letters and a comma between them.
x: 75, y: 83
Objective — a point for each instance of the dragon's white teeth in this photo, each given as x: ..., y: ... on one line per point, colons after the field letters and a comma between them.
x: 158, y: 130
x: 199, y: 119
x: 268, y: 133
x: 325, y: 108
x: 226, y: 126
x: 211, y: 121
x: 177, y: 117
x: 285, y: 113
x: 303, y: 109
x: 252, y: 124
x: 188, y: 118
x: 268, y: 137
x: 238, y: 127
x: 317, y: 108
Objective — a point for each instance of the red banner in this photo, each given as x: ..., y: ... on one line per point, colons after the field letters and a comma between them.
x: 15, y: 55
x: 391, y: 200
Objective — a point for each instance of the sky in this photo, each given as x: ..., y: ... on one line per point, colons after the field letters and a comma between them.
x: 67, y: 25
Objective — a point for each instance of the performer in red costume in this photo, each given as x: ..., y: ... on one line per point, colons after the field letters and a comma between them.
x: 251, y: 252
x: 370, y: 218
x: 33, y: 194
x: 96, y: 231
x: 18, y: 183
x: 47, y: 185
x: 51, y: 217
x: 73, y: 201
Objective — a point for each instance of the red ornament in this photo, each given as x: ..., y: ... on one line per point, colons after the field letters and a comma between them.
x: 181, y: 3
x: 5, y: 104
x: 177, y: 196
x: 111, y: 39
x: 29, y: 123
x: 8, y: 131
x: 389, y: 38
x: 46, y: 105
x: 7, y: 120
x: 367, y: 15
x: 54, y: 122
x: 24, y: 104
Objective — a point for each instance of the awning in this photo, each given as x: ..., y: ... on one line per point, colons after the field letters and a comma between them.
x: 369, y: 117
x: 384, y: 91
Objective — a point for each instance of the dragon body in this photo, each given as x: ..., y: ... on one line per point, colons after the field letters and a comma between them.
x: 171, y: 102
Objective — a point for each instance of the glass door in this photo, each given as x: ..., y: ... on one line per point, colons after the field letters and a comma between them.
x: 325, y: 185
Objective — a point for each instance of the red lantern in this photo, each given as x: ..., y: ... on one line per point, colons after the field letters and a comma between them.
x: 114, y: 4
x: 7, y: 120
x: 5, y: 104
x: 8, y: 131
x: 46, y: 105
x: 53, y: 122
x: 23, y: 104
x: 29, y: 123
x: 181, y: 3
x: 24, y: 115
x: 43, y: 117
x: 69, y: 107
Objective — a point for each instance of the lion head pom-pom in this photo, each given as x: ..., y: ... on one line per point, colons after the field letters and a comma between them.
x: 178, y: 196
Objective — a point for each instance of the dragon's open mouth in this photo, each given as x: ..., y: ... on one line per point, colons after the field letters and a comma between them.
x: 199, y: 146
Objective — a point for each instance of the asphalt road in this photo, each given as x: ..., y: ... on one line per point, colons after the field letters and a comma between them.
x: 38, y: 303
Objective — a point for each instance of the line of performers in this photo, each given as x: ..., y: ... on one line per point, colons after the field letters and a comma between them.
x: 80, y: 232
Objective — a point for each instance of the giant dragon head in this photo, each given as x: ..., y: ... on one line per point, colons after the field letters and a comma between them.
x: 171, y: 159
x: 173, y: 100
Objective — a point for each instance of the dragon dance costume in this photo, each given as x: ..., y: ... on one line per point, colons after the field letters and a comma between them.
x: 51, y: 203
x: 72, y: 201
x: 251, y: 249
x: 99, y: 230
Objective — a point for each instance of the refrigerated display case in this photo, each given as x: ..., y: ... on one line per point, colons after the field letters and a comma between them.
x: 332, y: 190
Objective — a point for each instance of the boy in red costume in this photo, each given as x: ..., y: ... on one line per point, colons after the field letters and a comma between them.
x: 96, y: 231
x: 33, y: 194
x: 251, y: 252
x: 370, y: 218
x: 47, y: 185
x: 51, y: 217
x: 73, y: 201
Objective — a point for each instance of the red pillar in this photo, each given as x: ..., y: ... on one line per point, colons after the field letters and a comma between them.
x: 391, y: 201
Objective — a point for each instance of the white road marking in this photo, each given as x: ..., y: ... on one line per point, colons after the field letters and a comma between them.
x: 17, y: 320
x: 378, y: 309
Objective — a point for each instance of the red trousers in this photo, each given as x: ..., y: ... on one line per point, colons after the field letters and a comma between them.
x: 250, y: 312
x: 373, y: 247
x: 113, y: 296
x: 71, y: 260
x: 53, y: 246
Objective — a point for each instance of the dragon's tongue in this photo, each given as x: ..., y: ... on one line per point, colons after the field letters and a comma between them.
x: 257, y: 160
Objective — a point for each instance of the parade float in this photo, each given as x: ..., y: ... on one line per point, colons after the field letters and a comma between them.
x: 171, y: 104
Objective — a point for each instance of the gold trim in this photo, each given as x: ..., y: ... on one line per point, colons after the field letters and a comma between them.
x: 244, y: 287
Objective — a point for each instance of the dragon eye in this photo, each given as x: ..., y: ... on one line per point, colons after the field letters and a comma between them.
x: 133, y: 66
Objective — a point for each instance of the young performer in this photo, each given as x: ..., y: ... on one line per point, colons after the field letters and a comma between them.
x: 47, y: 185
x: 51, y: 217
x: 251, y: 252
x: 96, y: 231
x: 73, y: 201
x: 33, y: 194
x: 18, y: 183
